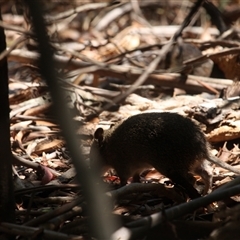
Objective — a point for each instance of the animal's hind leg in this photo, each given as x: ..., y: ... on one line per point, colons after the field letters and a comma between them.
x: 204, y: 170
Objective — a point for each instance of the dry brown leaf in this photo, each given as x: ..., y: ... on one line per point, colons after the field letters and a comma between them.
x: 230, y: 65
x: 36, y: 135
x: 225, y: 132
x: 20, y: 125
x: 48, y: 146
x: 38, y: 110
x: 45, y: 123
x: 44, y: 145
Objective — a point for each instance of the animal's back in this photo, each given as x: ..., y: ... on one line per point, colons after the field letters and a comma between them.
x: 158, y: 138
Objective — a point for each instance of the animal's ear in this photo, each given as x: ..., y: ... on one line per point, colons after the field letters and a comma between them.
x: 98, y: 135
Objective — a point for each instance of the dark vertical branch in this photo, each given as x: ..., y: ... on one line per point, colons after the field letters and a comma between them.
x: 6, y: 184
x: 97, y: 204
x: 216, y: 16
x: 195, y: 8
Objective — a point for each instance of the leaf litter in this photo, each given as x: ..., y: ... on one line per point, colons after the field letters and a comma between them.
x: 99, y: 59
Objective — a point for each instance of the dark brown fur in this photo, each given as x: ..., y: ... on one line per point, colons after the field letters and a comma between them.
x: 169, y: 142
